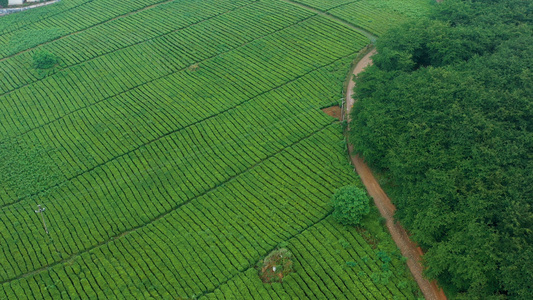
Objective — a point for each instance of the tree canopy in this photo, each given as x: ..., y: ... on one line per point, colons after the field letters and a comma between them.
x: 350, y: 204
x: 447, y: 113
x: 44, y: 60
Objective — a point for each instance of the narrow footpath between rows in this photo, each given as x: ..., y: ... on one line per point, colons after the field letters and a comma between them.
x: 408, y: 249
x: 362, y: 31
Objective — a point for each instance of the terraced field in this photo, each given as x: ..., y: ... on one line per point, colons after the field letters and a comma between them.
x: 174, y: 145
x: 376, y: 16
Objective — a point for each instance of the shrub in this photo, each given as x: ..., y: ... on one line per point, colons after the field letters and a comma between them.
x: 44, y: 60
x: 344, y: 244
x: 350, y: 204
x: 275, y: 266
x: 351, y: 264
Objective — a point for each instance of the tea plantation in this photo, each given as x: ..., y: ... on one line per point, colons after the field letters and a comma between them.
x: 174, y: 144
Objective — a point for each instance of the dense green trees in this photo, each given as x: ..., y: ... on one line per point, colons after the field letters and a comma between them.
x: 447, y: 112
x: 350, y: 204
x: 44, y: 60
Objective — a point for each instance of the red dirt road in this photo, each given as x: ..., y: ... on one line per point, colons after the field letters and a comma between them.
x: 408, y: 249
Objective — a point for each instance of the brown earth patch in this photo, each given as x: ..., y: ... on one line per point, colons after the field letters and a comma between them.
x: 333, y: 111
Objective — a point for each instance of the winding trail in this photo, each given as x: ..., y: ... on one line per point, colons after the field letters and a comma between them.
x: 410, y: 250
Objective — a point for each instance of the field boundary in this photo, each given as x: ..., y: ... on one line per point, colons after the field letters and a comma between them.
x: 366, y: 33
x: 408, y: 248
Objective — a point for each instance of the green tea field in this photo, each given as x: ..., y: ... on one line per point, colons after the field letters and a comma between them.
x: 174, y: 144
x: 375, y: 16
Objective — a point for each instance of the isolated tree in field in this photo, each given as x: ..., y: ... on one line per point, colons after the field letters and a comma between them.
x: 350, y: 204
x: 44, y: 60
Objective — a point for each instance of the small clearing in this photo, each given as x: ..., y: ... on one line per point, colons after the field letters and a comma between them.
x: 333, y: 111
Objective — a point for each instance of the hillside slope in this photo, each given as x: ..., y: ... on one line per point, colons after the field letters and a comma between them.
x: 174, y: 144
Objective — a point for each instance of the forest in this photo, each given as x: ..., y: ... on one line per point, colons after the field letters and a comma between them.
x: 445, y: 115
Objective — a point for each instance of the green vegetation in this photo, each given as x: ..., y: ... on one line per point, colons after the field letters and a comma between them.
x: 324, y: 5
x: 446, y: 112
x: 44, y: 60
x: 333, y: 261
x: 350, y: 204
x: 14, y: 22
x: 174, y: 145
x: 24, y: 169
x: 376, y: 16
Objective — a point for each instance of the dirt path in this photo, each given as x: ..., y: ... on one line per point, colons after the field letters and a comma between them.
x: 361, y: 65
x: 386, y: 208
x: 366, y: 33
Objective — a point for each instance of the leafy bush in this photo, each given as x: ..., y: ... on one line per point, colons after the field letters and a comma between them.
x: 350, y: 204
x: 275, y: 266
x: 351, y: 264
x: 44, y: 60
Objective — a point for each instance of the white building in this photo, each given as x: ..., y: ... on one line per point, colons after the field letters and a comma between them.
x: 15, y: 2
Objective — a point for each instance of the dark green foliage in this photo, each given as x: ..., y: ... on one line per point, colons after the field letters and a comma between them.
x: 385, y: 273
x: 44, y: 60
x: 351, y: 264
x: 431, y: 43
x: 344, y: 244
x: 3, y: 3
x: 447, y: 113
x: 350, y: 204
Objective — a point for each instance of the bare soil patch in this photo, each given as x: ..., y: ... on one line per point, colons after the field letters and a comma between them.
x: 333, y: 111
x: 275, y: 266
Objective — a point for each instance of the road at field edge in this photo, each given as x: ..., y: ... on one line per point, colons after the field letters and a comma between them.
x: 410, y: 250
